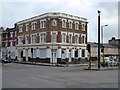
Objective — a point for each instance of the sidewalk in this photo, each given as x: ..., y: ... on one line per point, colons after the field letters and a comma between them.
x: 54, y: 64
x: 93, y: 65
x: 103, y: 68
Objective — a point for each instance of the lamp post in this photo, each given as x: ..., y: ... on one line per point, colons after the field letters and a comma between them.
x: 102, y: 41
x: 53, y: 23
x: 99, y: 39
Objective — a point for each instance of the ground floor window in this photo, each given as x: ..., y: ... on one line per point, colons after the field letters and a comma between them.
x: 42, y: 53
x: 63, y: 53
x: 83, y: 52
x: 34, y: 53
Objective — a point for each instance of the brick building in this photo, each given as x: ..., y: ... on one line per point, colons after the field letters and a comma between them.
x: 1, y: 30
x: 9, y: 38
x: 52, y: 38
x: 109, y: 50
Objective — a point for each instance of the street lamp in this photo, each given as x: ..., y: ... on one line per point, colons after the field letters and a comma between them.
x: 102, y: 42
x: 102, y: 33
x: 99, y: 39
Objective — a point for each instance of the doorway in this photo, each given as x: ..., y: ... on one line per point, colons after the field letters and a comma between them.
x: 53, y: 56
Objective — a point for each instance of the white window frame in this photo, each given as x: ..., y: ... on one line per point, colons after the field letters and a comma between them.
x: 43, y: 23
x: 54, y: 32
x: 34, y: 52
x: 27, y: 27
x: 63, y: 37
x: 10, y: 43
x: 83, y: 26
x: 11, y: 34
x: 70, y: 39
x: 20, y: 39
x: 84, y: 38
x: 26, y: 40
x: 70, y: 24
x: 32, y: 38
x: 76, y: 38
x: 20, y: 28
x: 64, y: 23
x: 42, y: 37
x: 33, y: 25
x: 76, y: 25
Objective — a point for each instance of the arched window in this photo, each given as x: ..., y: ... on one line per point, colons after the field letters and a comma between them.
x: 63, y: 24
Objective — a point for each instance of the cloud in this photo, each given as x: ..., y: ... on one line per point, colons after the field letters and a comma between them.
x: 14, y: 11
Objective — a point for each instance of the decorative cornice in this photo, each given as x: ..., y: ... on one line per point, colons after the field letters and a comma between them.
x: 52, y: 15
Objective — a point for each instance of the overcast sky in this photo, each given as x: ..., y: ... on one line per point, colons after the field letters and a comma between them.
x: 12, y: 11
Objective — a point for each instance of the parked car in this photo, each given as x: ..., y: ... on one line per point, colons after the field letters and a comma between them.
x: 109, y: 62
x: 5, y: 60
x: 112, y: 62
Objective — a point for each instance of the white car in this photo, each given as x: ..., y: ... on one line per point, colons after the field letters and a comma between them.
x: 112, y: 62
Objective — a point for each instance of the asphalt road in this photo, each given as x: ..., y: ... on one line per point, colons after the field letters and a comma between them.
x: 31, y: 76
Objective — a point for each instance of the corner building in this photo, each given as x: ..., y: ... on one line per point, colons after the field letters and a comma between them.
x: 52, y: 38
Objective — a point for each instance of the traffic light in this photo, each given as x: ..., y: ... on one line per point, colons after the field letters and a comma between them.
x: 88, y: 47
x: 102, y: 49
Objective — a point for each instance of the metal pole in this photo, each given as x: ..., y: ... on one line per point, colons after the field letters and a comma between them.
x: 102, y: 43
x: 99, y: 39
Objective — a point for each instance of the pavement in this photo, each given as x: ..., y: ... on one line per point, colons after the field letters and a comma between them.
x: 85, y: 65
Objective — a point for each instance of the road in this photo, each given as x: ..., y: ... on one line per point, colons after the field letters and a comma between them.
x: 31, y: 76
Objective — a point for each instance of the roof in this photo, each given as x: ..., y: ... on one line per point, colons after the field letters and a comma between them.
x: 106, y: 45
x: 50, y: 15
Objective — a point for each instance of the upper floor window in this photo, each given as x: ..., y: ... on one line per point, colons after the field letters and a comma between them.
x: 20, y: 28
x: 43, y: 37
x: 27, y: 39
x: 77, y: 25
x: 83, y: 27
x: 63, y: 23
x: 53, y: 38
x: 27, y: 27
x: 42, y: 23
x: 11, y: 34
x: 6, y: 36
x: 33, y: 38
x: 5, y: 44
x: 83, y: 39
x: 15, y: 33
x: 64, y: 37
x: 70, y: 24
x: 20, y: 40
x: 76, y: 39
x: 70, y: 38
x: 10, y: 43
x: 33, y: 25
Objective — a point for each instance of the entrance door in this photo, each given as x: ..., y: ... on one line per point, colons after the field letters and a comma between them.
x: 69, y: 55
x: 21, y: 55
x: 54, y: 56
x: 26, y: 53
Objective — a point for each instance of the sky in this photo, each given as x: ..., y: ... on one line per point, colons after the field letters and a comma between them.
x: 12, y: 11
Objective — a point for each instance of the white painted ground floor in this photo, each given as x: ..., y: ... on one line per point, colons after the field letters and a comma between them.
x: 51, y: 54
